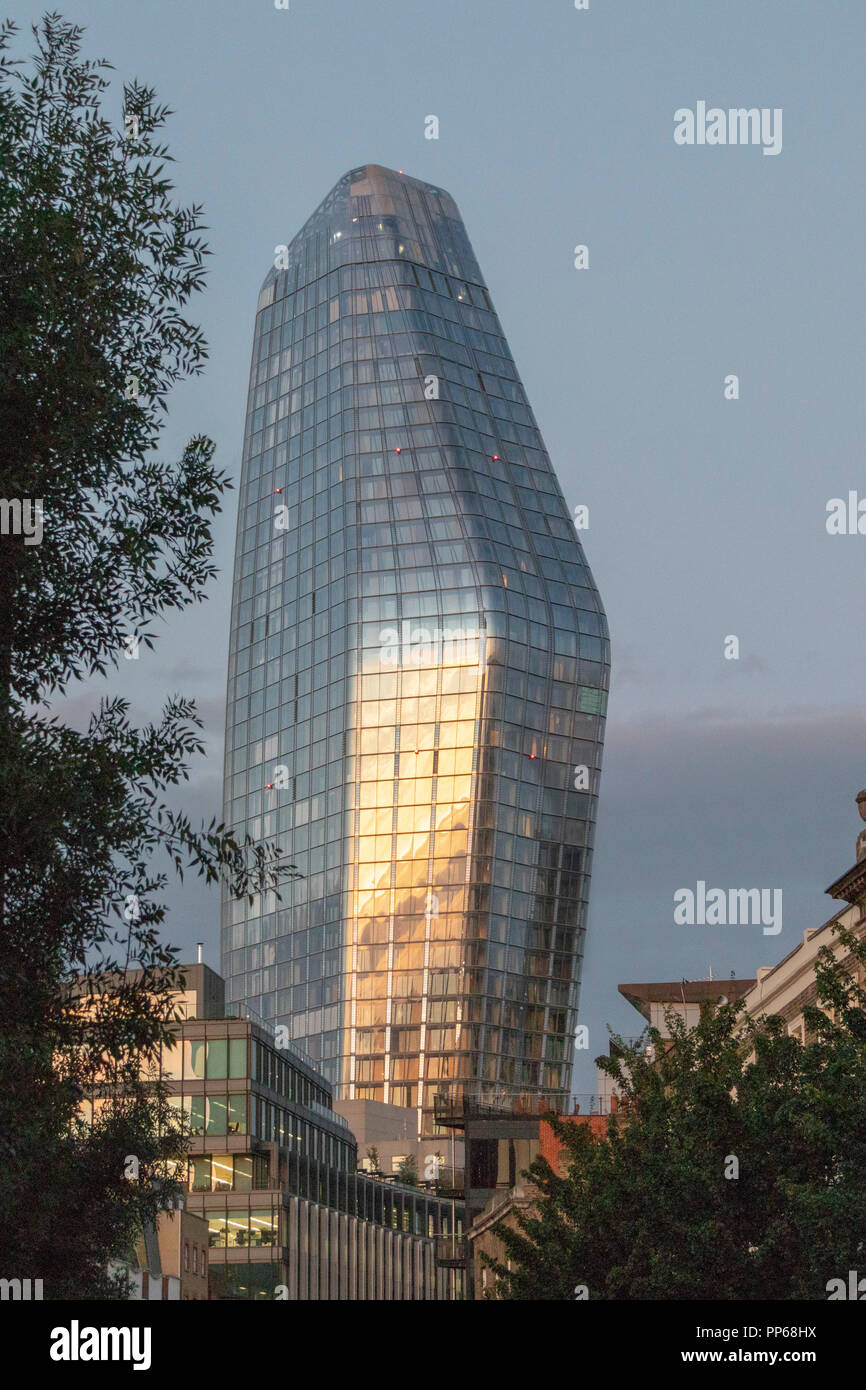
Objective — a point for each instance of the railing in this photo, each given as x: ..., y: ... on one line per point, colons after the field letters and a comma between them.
x: 483, y: 1100
x: 460, y: 1102
x: 245, y: 1011
x: 451, y: 1180
x: 328, y: 1114
x: 450, y: 1250
x: 601, y: 1105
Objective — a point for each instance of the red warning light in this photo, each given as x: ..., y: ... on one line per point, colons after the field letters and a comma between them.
x: 398, y: 451
x: 269, y: 786
x: 495, y: 458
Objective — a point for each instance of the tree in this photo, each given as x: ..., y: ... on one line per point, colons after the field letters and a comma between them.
x: 407, y: 1170
x: 738, y: 1173
x: 373, y: 1159
x: 98, y: 540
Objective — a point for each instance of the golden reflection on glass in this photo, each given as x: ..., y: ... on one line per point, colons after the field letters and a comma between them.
x: 410, y: 847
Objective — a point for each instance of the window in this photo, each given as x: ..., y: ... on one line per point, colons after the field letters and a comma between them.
x: 218, y: 1230
x: 171, y: 1061
x: 237, y: 1114
x: 196, y: 1113
x: 200, y: 1173
x: 193, y: 1057
x: 221, y: 1172
x: 186, y: 1254
x: 217, y: 1059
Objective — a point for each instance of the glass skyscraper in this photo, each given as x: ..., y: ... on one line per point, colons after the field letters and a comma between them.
x: 418, y: 669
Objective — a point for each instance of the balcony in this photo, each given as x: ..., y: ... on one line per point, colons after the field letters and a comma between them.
x: 586, y: 1104
x: 451, y: 1184
x: 455, y: 1105
x: 451, y: 1252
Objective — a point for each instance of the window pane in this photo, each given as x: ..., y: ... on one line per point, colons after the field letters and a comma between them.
x: 221, y: 1167
x: 237, y: 1114
x: 193, y: 1057
x: 196, y: 1114
x: 171, y: 1061
x: 217, y: 1059
x: 216, y: 1114
x: 263, y: 1228
x: 217, y: 1230
x: 238, y: 1228
x: 200, y: 1173
x: 238, y: 1057
x: 243, y: 1173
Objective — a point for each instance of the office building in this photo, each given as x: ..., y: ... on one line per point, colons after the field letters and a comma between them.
x: 272, y: 1174
x: 417, y: 675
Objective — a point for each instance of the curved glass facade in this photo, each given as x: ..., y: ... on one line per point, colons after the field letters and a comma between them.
x: 418, y: 670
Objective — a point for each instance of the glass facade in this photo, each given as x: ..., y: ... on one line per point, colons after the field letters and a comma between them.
x: 288, y: 1213
x: 417, y: 673
x: 229, y: 1083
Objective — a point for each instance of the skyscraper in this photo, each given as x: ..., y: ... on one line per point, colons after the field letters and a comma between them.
x: 418, y: 669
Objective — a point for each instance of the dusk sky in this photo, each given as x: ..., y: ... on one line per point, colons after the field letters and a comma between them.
x: 707, y: 515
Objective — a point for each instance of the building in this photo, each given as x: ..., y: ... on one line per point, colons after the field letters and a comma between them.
x: 507, y: 1209
x: 142, y: 1265
x: 183, y: 1240
x: 516, y: 1201
x: 787, y: 988
x: 390, y: 1134
x: 655, y: 1000
x: 784, y: 989
x: 417, y: 674
x: 168, y: 1260
x: 273, y: 1170
x: 499, y: 1131
x: 272, y: 1205
x: 502, y: 1134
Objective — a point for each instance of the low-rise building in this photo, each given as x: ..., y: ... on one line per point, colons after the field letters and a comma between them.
x: 272, y: 1172
x: 791, y: 985
x: 183, y: 1239
x: 387, y: 1136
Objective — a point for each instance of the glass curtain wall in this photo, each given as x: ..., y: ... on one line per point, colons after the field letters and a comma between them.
x: 418, y: 670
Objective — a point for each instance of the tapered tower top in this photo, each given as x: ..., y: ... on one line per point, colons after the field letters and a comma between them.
x: 374, y: 213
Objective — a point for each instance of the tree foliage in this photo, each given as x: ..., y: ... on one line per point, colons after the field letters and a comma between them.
x: 658, y: 1209
x: 407, y: 1170
x: 98, y: 263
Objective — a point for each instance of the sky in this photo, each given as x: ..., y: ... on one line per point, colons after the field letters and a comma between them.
x: 707, y: 515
